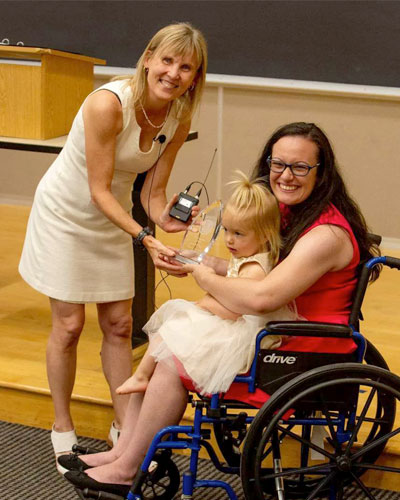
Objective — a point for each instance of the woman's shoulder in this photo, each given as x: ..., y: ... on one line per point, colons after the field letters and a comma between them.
x: 331, y: 215
x: 121, y: 88
x: 103, y: 111
x: 331, y: 222
x: 329, y: 242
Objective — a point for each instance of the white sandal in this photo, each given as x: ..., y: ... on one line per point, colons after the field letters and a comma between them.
x: 62, y: 443
x: 113, y: 435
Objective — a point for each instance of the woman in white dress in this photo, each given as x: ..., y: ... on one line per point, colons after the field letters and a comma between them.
x: 78, y: 245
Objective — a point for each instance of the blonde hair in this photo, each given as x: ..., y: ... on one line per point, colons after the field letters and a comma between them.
x: 256, y: 208
x: 178, y: 39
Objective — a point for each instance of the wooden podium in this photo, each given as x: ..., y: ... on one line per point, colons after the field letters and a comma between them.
x: 41, y: 90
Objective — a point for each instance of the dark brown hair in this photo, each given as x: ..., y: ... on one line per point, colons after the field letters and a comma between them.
x: 329, y: 188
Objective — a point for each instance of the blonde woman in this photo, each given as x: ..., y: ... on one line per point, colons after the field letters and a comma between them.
x: 78, y: 245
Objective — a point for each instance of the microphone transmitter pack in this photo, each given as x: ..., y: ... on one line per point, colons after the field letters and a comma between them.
x: 182, y: 209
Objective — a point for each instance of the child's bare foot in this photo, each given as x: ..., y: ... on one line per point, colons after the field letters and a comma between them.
x: 133, y: 384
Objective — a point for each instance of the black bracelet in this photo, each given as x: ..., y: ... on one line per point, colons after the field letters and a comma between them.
x: 138, y: 241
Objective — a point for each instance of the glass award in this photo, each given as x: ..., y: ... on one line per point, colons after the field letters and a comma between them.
x: 200, y: 236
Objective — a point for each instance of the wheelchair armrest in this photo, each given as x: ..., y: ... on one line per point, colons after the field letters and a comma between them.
x: 392, y: 262
x: 309, y: 329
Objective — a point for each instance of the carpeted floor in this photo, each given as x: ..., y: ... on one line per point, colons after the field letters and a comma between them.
x: 27, y: 469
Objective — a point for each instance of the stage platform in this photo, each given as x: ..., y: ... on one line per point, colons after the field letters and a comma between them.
x: 25, y: 323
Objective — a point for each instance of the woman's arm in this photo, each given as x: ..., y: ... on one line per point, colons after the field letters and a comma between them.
x: 153, y: 196
x: 102, y: 115
x: 323, y: 249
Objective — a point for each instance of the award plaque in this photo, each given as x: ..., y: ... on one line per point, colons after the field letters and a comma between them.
x: 200, y: 236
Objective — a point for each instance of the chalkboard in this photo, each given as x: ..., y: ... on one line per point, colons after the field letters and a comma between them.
x: 334, y: 41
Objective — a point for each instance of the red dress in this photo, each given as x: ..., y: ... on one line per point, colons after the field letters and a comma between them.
x: 328, y: 300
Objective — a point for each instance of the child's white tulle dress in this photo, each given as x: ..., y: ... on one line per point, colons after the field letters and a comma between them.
x: 212, y: 350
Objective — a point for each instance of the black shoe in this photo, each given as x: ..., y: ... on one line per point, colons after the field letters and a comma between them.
x: 81, y: 480
x: 72, y: 462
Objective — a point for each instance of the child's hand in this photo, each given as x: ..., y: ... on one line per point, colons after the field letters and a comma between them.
x: 200, y: 272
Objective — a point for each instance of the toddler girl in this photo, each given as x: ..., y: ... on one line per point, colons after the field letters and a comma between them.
x: 211, y: 343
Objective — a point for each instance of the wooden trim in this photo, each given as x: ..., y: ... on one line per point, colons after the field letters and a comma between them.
x: 22, y: 52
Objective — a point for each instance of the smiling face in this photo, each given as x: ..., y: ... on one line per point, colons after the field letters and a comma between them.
x: 287, y: 188
x: 240, y: 240
x: 169, y: 75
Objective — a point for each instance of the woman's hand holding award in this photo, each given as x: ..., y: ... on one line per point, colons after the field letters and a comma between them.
x: 200, y: 236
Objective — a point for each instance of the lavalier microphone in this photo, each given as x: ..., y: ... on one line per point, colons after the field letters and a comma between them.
x: 182, y: 210
x: 161, y: 139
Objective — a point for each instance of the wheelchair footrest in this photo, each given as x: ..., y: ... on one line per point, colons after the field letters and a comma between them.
x: 97, y: 495
x: 84, y: 450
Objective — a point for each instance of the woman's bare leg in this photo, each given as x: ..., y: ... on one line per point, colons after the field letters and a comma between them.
x: 131, y: 416
x: 115, y: 320
x: 164, y: 403
x: 67, y: 324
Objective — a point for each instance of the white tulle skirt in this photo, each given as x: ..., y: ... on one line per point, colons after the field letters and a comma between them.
x: 212, y: 350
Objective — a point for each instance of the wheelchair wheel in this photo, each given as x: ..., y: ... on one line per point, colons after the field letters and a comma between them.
x: 374, y: 358
x: 355, y: 403
x: 162, y: 481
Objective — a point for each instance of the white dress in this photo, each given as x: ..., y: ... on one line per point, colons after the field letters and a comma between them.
x: 212, y: 350
x: 72, y: 251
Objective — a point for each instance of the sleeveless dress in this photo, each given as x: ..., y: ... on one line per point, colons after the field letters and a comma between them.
x: 72, y: 251
x: 330, y: 298
x: 209, y: 349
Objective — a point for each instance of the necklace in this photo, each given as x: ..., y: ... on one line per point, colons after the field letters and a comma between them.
x: 148, y: 119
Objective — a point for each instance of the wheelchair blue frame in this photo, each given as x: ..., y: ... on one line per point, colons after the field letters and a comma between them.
x: 196, y: 438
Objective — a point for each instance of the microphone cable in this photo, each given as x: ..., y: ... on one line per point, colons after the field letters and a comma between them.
x: 160, y: 139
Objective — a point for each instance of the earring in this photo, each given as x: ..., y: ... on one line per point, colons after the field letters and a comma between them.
x: 192, y: 87
x: 146, y: 71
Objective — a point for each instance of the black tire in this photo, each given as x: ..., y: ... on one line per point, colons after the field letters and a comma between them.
x: 272, y: 432
x: 163, y: 480
x: 374, y: 358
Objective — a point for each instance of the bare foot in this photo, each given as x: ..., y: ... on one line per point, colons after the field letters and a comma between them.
x: 136, y: 383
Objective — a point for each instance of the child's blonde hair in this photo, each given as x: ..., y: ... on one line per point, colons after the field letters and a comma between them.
x: 257, y: 208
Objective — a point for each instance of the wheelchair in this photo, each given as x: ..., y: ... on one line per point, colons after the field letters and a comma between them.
x: 324, y: 426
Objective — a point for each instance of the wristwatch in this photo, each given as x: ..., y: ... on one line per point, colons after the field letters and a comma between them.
x: 138, y: 241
